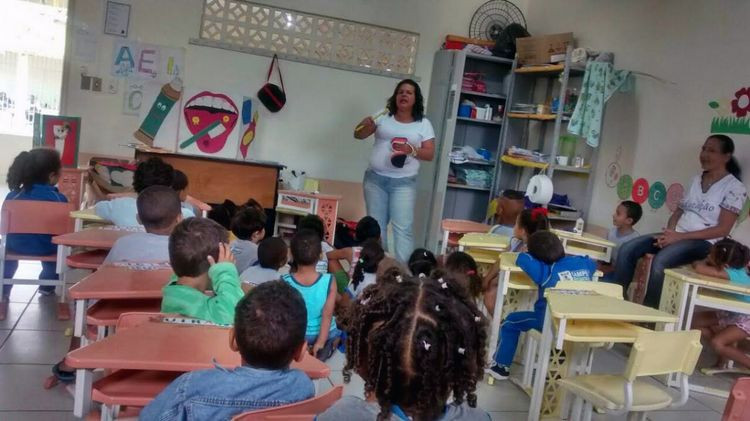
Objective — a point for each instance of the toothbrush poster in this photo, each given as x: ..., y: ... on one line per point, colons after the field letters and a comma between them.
x: 209, y: 123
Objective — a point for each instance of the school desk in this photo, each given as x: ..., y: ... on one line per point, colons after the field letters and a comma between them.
x: 564, y: 307
x: 512, y: 293
x: 87, y: 215
x: 115, y: 283
x: 101, y: 239
x: 484, y: 248
x: 162, y: 347
x: 460, y: 227
x: 684, y: 289
x: 586, y: 244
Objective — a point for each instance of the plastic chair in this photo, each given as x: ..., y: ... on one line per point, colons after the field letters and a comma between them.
x: 653, y: 354
x: 738, y: 404
x: 106, y: 313
x: 33, y: 217
x: 305, y: 410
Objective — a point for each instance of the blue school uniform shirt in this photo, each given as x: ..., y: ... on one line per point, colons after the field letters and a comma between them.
x: 739, y: 276
x: 34, y: 244
x: 569, y: 268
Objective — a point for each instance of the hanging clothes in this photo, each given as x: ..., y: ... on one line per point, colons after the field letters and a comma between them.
x: 600, y: 81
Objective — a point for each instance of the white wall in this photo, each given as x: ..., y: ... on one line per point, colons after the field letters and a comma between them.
x: 313, y: 132
x: 699, y: 45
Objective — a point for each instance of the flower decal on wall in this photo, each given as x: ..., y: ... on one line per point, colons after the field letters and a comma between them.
x: 741, y: 102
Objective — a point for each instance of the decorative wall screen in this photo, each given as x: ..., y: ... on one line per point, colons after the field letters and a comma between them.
x: 299, y: 36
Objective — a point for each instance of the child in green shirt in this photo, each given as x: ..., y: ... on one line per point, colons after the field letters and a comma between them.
x: 201, y: 259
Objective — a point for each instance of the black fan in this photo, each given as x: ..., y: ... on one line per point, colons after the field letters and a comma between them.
x: 492, y: 17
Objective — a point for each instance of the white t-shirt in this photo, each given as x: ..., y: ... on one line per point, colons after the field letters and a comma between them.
x: 701, y: 210
x: 613, y: 237
x: 389, y: 128
x: 257, y: 275
x: 139, y: 247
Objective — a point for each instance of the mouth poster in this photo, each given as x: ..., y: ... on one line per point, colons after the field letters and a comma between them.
x: 209, y: 123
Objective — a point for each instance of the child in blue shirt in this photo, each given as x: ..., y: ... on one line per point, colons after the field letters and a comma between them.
x: 33, y: 176
x: 546, y: 264
x: 728, y: 259
x: 123, y: 210
x: 269, y: 333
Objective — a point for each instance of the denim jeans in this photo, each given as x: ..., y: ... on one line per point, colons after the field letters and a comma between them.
x: 49, y: 272
x: 510, y: 331
x: 392, y: 200
x: 677, y: 254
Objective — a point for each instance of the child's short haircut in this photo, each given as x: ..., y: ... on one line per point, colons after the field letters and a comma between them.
x: 190, y: 244
x: 269, y: 325
x: 314, y: 223
x: 247, y: 221
x: 158, y: 207
x: 422, y: 262
x: 546, y: 247
x: 731, y: 253
x: 306, y: 247
x: 366, y: 229
x: 153, y: 172
x: 633, y: 210
x: 512, y: 194
x: 180, y: 181
x: 272, y: 253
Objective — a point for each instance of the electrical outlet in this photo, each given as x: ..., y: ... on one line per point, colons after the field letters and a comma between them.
x: 112, y: 85
x: 85, y: 83
x: 96, y: 84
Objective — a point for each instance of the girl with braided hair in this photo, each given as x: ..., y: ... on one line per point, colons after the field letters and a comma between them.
x: 414, y: 343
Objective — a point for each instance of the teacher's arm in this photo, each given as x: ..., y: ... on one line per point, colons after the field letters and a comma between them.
x: 722, y: 229
x: 426, y: 152
x: 365, y: 128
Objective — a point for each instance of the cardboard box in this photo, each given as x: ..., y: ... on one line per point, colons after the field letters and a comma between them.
x: 540, y: 49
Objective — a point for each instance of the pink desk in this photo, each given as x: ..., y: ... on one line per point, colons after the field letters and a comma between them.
x: 115, y: 283
x: 97, y: 238
x: 458, y: 226
x: 162, y: 347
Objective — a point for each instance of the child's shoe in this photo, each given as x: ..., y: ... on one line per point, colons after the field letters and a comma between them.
x: 498, y: 372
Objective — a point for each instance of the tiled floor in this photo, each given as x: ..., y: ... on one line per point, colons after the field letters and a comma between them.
x: 32, y: 339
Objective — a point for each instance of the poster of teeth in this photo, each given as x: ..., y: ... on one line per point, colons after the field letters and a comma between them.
x: 209, y: 123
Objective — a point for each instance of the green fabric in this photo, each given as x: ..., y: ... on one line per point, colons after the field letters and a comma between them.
x: 190, y: 302
x: 342, y: 280
x: 599, y: 83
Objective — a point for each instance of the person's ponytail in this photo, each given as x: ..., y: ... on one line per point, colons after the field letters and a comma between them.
x: 727, y: 147
x: 733, y: 167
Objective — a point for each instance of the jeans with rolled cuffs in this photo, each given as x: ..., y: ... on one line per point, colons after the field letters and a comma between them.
x: 392, y: 200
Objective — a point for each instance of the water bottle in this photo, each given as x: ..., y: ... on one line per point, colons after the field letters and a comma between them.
x: 579, y: 227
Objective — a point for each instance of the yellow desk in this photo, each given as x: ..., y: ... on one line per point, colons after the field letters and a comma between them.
x: 564, y: 308
x: 585, y: 244
x: 684, y: 289
x: 86, y: 215
x: 484, y: 248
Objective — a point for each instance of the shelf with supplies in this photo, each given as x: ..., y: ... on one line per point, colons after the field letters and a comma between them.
x: 492, y: 59
x: 475, y: 162
x: 483, y: 94
x: 581, y: 170
x: 549, y: 69
x: 518, y: 162
x: 479, y: 121
x: 467, y: 187
x: 540, y: 117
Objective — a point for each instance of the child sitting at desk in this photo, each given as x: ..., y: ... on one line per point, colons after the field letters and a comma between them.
x: 272, y: 256
x: 269, y: 333
x: 627, y: 213
x: 319, y: 292
x: 367, y: 228
x: 159, y: 211
x: 249, y: 226
x: 546, y: 264
x: 122, y: 211
x: 728, y: 259
x: 200, y: 257
x: 509, y: 205
x: 33, y: 176
x: 415, y: 343
x: 528, y: 222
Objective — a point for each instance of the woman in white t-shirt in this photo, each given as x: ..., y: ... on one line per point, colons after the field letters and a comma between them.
x: 402, y: 138
x: 706, y: 214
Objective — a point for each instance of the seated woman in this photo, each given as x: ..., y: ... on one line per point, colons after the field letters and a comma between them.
x: 706, y: 214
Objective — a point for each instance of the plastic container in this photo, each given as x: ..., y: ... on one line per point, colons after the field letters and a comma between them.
x: 567, y: 147
x: 464, y: 110
x: 578, y: 230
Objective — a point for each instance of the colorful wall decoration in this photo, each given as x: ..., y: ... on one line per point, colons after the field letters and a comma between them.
x: 61, y: 133
x: 160, y: 114
x: 143, y: 61
x: 209, y: 123
x: 732, y: 114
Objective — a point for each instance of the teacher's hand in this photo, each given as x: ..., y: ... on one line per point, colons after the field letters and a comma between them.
x: 668, y: 237
x: 365, y: 128
x: 405, y: 147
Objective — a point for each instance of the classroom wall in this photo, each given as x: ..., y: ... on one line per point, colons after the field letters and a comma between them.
x: 701, y: 46
x: 314, y: 131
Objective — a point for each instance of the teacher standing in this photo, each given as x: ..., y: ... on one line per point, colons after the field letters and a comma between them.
x: 706, y: 213
x: 402, y: 138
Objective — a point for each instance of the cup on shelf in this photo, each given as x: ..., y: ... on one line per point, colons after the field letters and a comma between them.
x: 562, y: 160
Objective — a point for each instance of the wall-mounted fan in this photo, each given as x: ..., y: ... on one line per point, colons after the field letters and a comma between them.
x: 493, y: 17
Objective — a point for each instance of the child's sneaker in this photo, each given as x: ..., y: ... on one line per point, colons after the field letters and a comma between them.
x: 498, y: 372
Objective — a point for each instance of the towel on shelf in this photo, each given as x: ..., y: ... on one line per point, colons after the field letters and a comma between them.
x: 600, y: 81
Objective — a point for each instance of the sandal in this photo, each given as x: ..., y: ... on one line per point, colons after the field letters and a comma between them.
x: 62, y: 375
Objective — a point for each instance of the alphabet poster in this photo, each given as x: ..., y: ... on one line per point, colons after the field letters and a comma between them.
x: 209, y: 123
x: 138, y: 60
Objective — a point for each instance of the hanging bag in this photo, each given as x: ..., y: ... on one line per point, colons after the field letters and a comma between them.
x: 271, y: 95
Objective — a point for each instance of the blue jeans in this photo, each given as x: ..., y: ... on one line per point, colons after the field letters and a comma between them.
x: 677, y: 254
x: 48, y: 272
x: 510, y: 331
x: 392, y: 200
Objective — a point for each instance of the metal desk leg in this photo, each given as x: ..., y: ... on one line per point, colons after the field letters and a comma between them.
x: 502, y: 289
x: 82, y: 403
x: 79, y: 327
x: 444, y: 246
x: 537, y: 394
